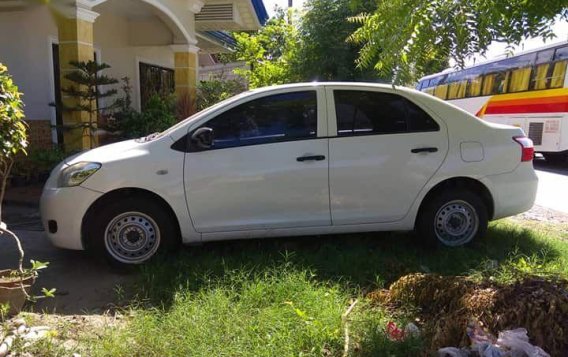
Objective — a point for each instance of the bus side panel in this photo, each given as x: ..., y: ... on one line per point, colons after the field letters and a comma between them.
x: 545, y: 130
x: 473, y: 105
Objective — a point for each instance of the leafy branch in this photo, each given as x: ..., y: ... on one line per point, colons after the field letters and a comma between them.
x: 410, y: 38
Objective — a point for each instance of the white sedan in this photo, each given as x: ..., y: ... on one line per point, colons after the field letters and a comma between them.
x: 301, y: 159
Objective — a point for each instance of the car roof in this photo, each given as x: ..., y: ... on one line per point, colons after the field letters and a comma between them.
x: 333, y: 84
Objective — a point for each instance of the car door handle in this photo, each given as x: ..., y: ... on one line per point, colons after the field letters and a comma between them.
x: 310, y: 158
x: 415, y: 151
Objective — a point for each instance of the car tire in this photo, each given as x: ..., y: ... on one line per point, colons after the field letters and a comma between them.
x: 452, y: 218
x: 131, y: 231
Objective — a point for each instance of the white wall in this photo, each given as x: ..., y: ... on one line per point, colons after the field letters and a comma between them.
x: 115, y: 38
x: 25, y: 47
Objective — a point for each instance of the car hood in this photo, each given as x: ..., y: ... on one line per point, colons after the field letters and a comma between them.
x: 110, y: 152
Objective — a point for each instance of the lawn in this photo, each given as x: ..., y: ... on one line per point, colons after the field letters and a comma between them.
x: 286, y: 297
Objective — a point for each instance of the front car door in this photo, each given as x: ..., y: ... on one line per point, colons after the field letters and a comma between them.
x: 383, y: 150
x: 267, y: 167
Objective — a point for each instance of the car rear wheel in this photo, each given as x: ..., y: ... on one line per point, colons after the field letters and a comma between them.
x: 453, y: 218
x: 132, y: 231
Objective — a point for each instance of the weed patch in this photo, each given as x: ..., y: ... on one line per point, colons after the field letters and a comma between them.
x: 283, y: 297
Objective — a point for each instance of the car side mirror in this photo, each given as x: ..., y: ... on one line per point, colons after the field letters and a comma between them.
x: 202, y: 138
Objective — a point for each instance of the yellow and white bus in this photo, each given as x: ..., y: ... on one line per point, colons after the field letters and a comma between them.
x: 529, y: 90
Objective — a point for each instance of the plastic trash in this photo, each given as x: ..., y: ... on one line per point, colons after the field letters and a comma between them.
x: 517, y: 341
x: 411, y: 330
x: 453, y: 352
x: 393, y: 332
x: 510, y: 343
x: 489, y: 350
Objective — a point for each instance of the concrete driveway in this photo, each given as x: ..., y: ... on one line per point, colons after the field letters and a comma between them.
x: 84, y: 285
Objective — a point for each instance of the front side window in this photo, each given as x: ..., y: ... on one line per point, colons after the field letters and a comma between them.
x: 363, y: 112
x: 276, y: 118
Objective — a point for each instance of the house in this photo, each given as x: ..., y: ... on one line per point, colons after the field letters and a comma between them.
x: 156, y: 43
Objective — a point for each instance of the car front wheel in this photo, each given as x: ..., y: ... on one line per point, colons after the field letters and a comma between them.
x: 453, y: 218
x: 131, y: 231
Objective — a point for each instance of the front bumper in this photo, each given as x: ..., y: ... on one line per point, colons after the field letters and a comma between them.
x: 62, y: 211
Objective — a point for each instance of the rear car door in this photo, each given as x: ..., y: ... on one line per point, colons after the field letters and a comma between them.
x: 267, y: 168
x: 383, y: 149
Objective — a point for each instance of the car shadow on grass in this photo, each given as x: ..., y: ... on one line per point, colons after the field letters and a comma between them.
x: 360, y: 262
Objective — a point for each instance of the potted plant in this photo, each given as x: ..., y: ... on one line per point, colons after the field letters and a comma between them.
x: 14, y: 284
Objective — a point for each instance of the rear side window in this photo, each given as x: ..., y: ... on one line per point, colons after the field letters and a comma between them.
x: 364, y: 113
x: 275, y: 118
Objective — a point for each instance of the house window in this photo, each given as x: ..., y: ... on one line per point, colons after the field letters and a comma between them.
x: 155, y: 80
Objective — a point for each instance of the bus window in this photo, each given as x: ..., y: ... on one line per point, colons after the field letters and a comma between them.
x: 462, y: 89
x: 501, y: 81
x: 540, y: 78
x: 437, y: 80
x: 457, y: 90
x: 544, y: 56
x: 520, y: 79
x: 561, y: 53
x: 558, y: 75
x: 488, y: 81
x: 434, y: 81
x: 441, y: 91
x: 453, y: 90
x: 474, y: 87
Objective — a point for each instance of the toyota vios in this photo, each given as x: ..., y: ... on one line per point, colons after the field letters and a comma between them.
x: 302, y: 159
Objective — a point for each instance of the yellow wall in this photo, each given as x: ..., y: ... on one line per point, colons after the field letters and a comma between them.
x: 185, y: 76
x: 75, y: 44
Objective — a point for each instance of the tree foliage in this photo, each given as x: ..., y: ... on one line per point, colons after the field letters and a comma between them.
x: 306, y: 46
x: 325, y: 54
x: 159, y: 114
x: 13, y: 129
x: 217, y: 89
x: 86, y: 89
x: 408, y: 38
x: 271, y: 52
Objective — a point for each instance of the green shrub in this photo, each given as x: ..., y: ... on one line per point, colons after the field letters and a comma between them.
x: 158, y: 115
x: 13, y: 130
x: 215, y: 90
x: 38, y: 163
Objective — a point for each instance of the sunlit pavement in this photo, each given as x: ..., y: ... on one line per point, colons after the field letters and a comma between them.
x: 552, y: 185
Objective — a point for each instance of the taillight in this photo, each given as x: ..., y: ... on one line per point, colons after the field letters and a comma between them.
x: 527, y: 147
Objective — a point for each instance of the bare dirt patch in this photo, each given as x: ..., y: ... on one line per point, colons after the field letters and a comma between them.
x: 58, y: 334
x: 543, y: 214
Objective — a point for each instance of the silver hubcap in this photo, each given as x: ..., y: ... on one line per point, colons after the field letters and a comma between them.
x: 456, y: 223
x: 132, y: 237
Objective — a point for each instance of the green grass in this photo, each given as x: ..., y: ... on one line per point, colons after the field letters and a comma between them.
x: 285, y: 297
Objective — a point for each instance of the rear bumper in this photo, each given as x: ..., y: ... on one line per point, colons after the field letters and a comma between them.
x: 513, y: 192
x: 62, y: 212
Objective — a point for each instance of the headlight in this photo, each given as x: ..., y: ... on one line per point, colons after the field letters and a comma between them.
x: 76, y: 174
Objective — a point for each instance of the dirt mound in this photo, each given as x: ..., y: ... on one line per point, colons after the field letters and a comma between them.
x: 448, y: 303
